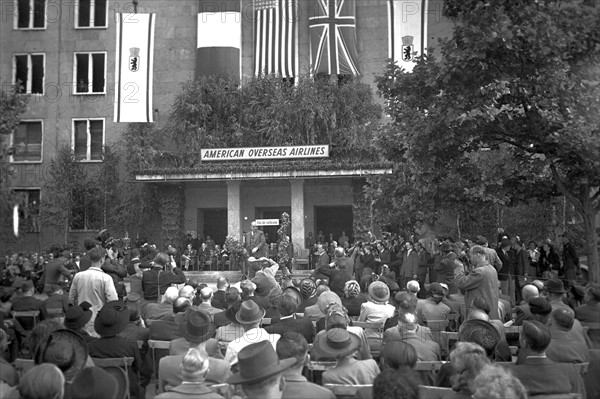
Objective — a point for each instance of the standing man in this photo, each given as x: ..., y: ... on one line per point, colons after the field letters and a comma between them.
x: 482, y: 281
x: 156, y: 280
x: 54, y: 269
x: 570, y: 261
x: 93, y: 286
x: 509, y: 270
x: 256, y: 243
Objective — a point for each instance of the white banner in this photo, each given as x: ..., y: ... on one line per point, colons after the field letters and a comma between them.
x: 133, y: 67
x: 267, y: 222
x: 256, y: 153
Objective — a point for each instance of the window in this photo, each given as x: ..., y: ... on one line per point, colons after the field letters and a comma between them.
x: 91, y: 14
x: 29, y: 209
x: 27, y: 142
x: 29, y: 73
x: 31, y: 14
x: 89, y: 70
x: 86, y: 211
x: 88, y: 139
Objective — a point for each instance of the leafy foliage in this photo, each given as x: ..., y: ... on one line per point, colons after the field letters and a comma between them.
x: 518, y: 79
x: 172, y: 207
x: 283, y: 241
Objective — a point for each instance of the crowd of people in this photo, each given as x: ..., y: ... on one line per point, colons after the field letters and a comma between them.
x: 373, y: 309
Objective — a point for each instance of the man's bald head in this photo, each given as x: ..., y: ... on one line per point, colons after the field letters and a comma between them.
x: 530, y: 291
x: 206, y: 294
x: 187, y: 291
x: 478, y: 314
x: 181, y: 304
x: 171, y: 295
x: 222, y: 283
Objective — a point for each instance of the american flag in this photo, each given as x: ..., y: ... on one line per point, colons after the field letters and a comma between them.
x: 333, y: 37
x: 276, y: 37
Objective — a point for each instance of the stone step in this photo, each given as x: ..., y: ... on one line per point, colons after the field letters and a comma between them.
x: 211, y: 277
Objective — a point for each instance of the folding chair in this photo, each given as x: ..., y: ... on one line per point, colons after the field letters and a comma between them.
x: 118, y: 367
x: 378, y: 341
x: 448, y: 339
x: 593, y: 332
x: 26, y: 314
x: 342, y: 391
x: 154, y: 346
x: 318, y: 366
x: 23, y: 365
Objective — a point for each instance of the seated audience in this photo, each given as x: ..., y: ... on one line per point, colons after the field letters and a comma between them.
x: 158, y: 311
x: 393, y: 385
x: 77, y: 317
x: 93, y: 383
x: 590, y: 311
x: 293, y: 345
x: 57, y: 301
x: 156, y: 281
x: 314, y: 311
x: 523, y: 311
x: 231, y: 330
x: 44, y: 381
x: 249, y: 316
x: 29, y: 303
x: 341, y: 345
x: 432, y: 308
x: 261, y: 371
x: 248, y: 293
x: 135, y: 329
x: 376, y: 310
x: 206, y: 295
x: 308, y: 288
x: 286, y: 306
x: 219, y: 301
x: 197, y: 328
x: 337, y: 318
x: 403, y: 302
x: 194, y: 369
x: 562, y: 349
x: 409, y: 331
x: 496, y: 382
x: 467, y: 359
x: 539, y: 374
x: 352, y: 299
x: 8, y: 374
x: 167, y: 329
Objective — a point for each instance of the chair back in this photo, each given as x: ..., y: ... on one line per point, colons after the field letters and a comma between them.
x: 429, y: 392
x: 158, y: 350
x: 118, y: 367
x: 26, y: 314
x: 342, y: 391
x: 375, y: 343
x: 23, y: 365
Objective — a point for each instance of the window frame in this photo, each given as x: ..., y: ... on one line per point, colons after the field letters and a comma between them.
x: 34, y: 188
x: 92, y: 12
x: 90, y: 73
x: 88, y: 147
x: 31, y: 14
x: 29, y: 72
x: 11, y: 142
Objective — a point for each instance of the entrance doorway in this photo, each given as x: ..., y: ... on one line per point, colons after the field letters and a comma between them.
x: 334, y: 219
x: 273, y: 213
x: 212, y: 222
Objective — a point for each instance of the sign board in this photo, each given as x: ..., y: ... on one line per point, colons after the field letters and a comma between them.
x: 258, y: 153
x: 267, y: 222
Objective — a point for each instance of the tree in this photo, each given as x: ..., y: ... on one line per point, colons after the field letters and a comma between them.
x: 516, y: 76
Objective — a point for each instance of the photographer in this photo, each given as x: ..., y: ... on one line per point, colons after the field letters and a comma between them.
x: 115, y: 270
x: 156, y: 280
x: 56, y: 268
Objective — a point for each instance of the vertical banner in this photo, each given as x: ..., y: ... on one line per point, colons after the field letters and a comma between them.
x: 407, y: 28
x: 332, y: 27
x: 219, y: 39
x: 133, y: 67
x: 276, y: 37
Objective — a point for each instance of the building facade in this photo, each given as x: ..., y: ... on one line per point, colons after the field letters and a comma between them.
x: 63, y: 53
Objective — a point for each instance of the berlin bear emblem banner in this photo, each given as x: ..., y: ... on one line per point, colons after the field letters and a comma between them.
x: 134, y: 63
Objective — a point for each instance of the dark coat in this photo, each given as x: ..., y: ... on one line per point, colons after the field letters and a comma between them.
x: 300, y: 325
x: 510, y: 265
x: 152, y: 280
x: 543, y: 376
x: 481, y: 281
x: 117, y: 272
x: 166, y: 329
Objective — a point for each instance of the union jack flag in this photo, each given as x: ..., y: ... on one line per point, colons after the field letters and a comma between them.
x: 333, y: 37
x: 276, y: 37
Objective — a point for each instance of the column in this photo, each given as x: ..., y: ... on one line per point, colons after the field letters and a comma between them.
x: 234, y: 207
x: 297, y: 216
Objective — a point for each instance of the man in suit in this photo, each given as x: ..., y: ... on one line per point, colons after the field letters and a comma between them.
x: 206, y: 295
x: 539, y: 374
x: 490, y: 254
x: 157, y: 311
x: 562, y: 348
x: 523, y: 311
x: 509, y: 269
x: 256, y: 243
x: 156, y: 281
x: 197, y: 328
x: 195, y: 366
x: 29, y: 303
x: 482, y: 281
x: 293, y: 345
x: 286, y: 306
x: 168, y: 328
x: 218, y: 300
x: 419, y: 337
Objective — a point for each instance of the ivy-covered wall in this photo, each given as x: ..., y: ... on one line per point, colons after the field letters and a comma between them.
x: 171, y: 199
x: 363, y: 211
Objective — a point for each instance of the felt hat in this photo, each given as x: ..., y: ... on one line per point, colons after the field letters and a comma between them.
x: 379, y: 292
x: 66, y: 349
x: 77, y: 316
x: 435, y: 289
x: 578, y: 291
x: 480, y: 332
x: 338, y: 342
x: 249, y: 313
x: 111, y: 319
x: 257, y: 362
x: 540, y: 305
x: 231, y: 311
x: 555, y: 286
x: 95, y: 382
x: 198, y: 327
x: 293, y: 292
x: 308, y: 287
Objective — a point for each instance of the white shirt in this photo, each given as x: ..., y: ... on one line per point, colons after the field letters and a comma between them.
x: 251, y: 336
x: 93, y: 286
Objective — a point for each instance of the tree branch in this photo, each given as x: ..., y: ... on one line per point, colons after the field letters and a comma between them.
x: 561, y: 186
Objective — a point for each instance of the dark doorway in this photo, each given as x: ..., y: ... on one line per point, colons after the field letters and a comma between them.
x: 214, y: 224
x: 334, y: 219
x: 272, y: 213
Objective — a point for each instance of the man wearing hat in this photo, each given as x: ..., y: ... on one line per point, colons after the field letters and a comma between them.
x: 197, y: 332
x: 341, y: 345
x: 109, y: 322
x: 260, y: 371
x: 93, y: 286
x: 510, y: 268
x: 293, y: 345
x: 432, y: 308
x: 555, y: 292
x: 65, y: 349
x: 482, y: 281
x: 195, y: 366
x: 590, y: 311
x: 376, y: 310
x: 229, y: 329
x: 77, y: 317
x: 249, y: 316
